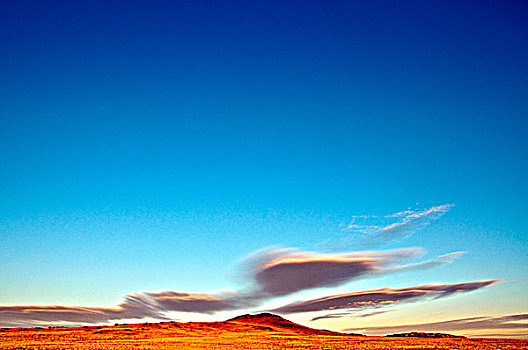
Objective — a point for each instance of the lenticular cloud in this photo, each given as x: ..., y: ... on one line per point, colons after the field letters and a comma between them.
x: 381, y: 297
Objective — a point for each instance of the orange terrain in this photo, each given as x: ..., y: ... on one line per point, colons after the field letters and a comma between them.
x: 263, y: 331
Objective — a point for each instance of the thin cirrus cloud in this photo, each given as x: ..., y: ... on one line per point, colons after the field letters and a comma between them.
x: 271, y: 273
x: 333, y: 315
x: 381, y: 297
x: 427, y: 264
x: 505, y: 325
x: 377, y: 230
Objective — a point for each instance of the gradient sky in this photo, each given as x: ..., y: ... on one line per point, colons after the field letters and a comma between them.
x: 226, y: 149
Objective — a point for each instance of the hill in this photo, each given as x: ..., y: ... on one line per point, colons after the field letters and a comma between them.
x: 276, y: 322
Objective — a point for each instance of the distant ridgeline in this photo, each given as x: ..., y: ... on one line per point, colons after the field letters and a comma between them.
x: 425, y: 335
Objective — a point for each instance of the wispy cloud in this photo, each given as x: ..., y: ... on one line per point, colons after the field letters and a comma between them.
x: 428, y: 264
x: 327, y: 316
x: 381, y: 297
x: 352, y: 314
x: 376, y: 230
x: 517, y: 323
x: 372, y: 313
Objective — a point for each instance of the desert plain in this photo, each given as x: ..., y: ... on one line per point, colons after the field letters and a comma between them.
x: 245, y: 332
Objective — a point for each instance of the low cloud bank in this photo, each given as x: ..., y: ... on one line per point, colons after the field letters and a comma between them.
x: 270, y: 273
x: 134, y: 306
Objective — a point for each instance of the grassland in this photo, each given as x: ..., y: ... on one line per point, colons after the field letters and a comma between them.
x: 223, y: 335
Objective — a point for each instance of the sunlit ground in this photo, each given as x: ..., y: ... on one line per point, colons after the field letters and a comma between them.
x: 221, y: 335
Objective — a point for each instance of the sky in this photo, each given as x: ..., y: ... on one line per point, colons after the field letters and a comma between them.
x: 357, y: 166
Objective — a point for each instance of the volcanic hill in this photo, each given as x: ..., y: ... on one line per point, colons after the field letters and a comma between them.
x: 276, y: 322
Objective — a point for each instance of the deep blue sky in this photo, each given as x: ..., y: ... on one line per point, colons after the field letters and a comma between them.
x: 138, y: 137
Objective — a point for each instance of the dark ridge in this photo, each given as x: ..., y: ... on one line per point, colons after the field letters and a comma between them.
x: 425, y: 335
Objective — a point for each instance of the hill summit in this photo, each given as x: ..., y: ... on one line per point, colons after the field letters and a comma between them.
x: 262, y: 318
